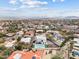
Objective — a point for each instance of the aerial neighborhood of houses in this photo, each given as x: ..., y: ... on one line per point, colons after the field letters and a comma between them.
x: 39, y: 39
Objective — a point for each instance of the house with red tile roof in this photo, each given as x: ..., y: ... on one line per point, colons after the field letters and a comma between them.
x: 29, y: 33
x: 26, y: 54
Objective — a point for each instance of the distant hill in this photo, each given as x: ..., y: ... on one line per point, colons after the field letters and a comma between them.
x: 71, y: 17
x: 38, y: 18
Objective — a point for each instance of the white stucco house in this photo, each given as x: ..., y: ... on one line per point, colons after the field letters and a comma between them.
x: 26, y: 40
x: 41, y: 38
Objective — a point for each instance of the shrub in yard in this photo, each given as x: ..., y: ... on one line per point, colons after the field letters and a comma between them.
x: 7, y: 52
x: 57, y: 57
x: 1, y: 57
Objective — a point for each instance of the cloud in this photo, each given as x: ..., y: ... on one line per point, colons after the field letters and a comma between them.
x: 58, y: 0
x: 62, y: 0
x: 12, y: 2
x: 54, y: 0
x: 28, y: 3
x: 22, y: 6
x: 31, y: 3
x: 7, y: 11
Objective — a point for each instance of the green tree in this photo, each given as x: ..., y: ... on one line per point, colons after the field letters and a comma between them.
x: 7, y: 52
x: 2, y: 35
x: 19, y: 38
x: 12, y: 27
x: 18, y: 47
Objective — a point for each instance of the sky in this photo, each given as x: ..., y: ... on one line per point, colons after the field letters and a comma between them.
x: 34, y: 8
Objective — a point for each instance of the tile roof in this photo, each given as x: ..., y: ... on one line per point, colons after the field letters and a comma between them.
x: 26, y: 55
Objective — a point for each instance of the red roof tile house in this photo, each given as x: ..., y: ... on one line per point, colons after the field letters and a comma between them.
x: 26, y: 55
x: 30, y: 33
